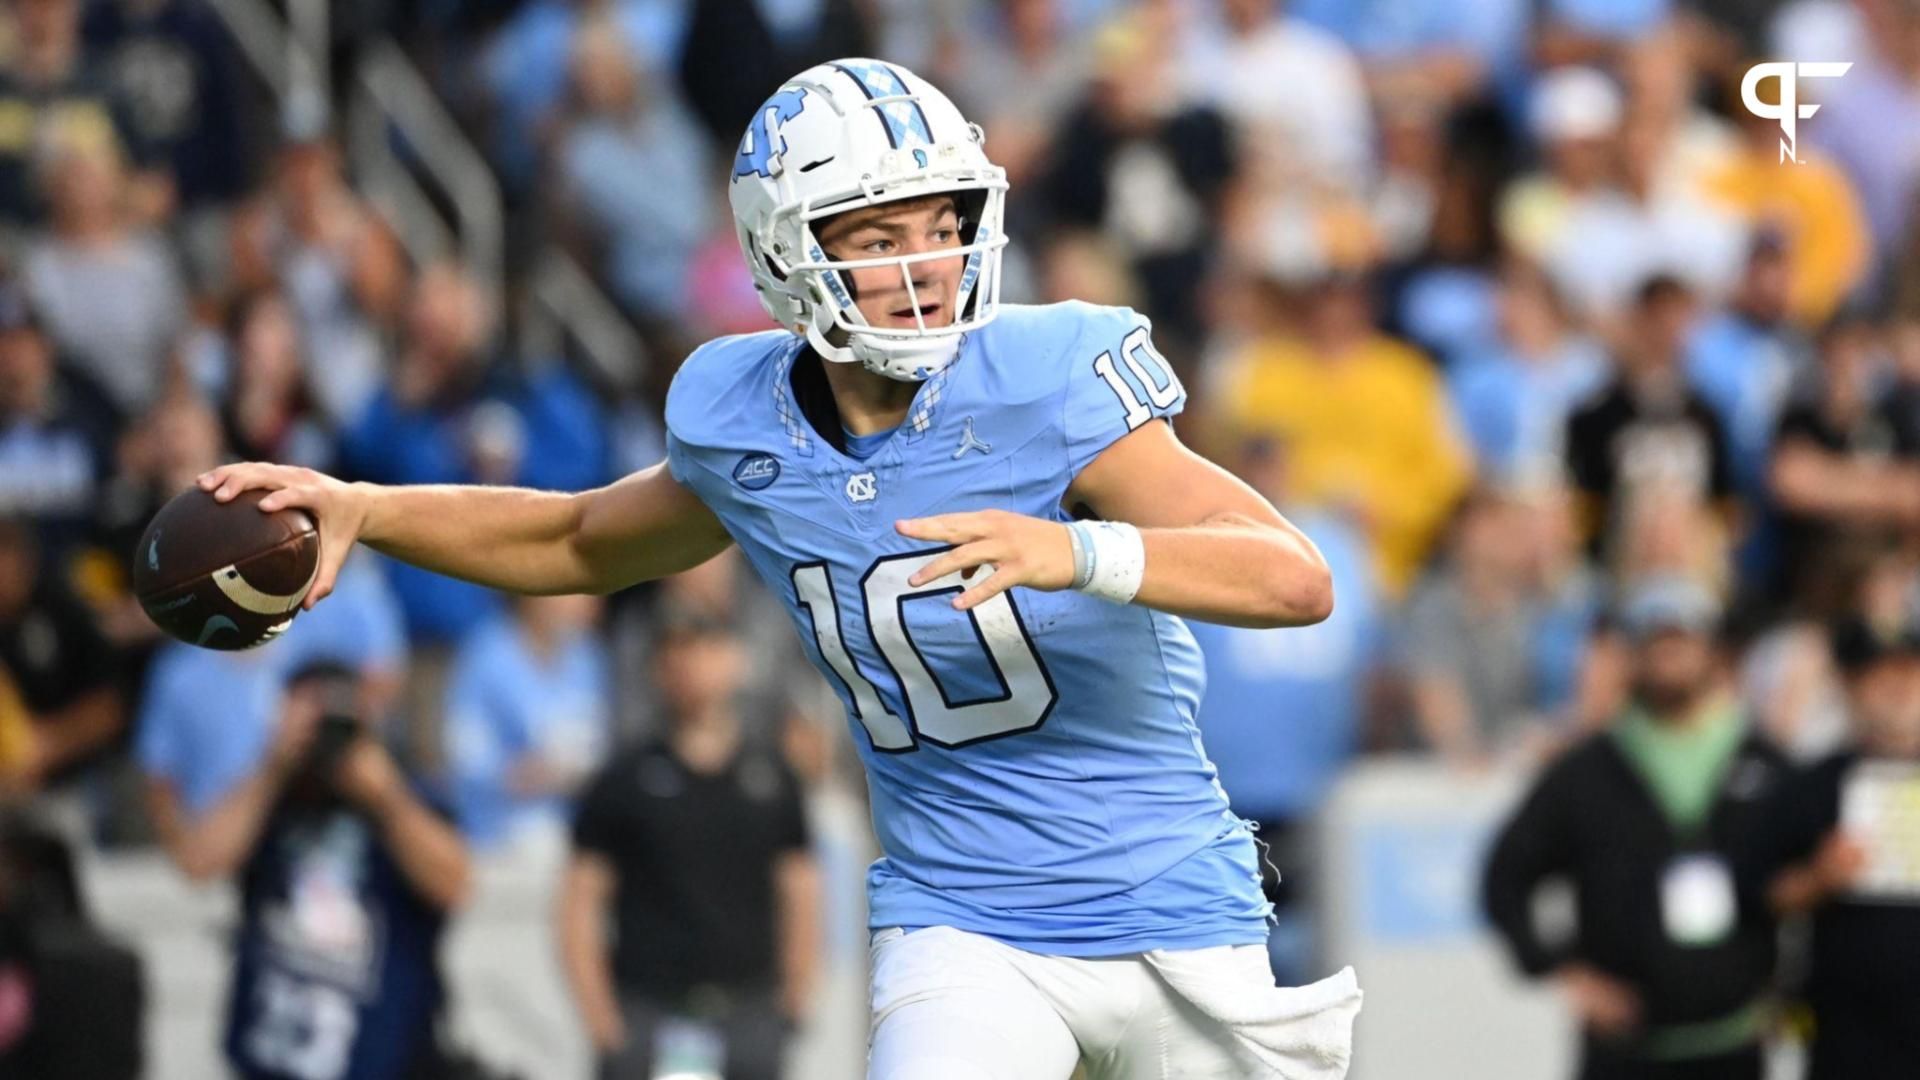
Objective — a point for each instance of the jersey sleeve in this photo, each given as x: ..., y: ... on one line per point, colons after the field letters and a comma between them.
x: 1116, y: 381
x: 702, y: 400
x: 679, y: 460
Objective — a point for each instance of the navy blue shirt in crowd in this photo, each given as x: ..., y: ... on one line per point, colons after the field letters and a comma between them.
x: 335, y: 974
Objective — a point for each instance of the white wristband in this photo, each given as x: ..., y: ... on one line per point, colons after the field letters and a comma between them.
x: 1116, y: 559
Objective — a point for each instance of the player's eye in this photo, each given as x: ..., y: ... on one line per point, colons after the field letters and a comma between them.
x: 945, y: 236
x: 877, y: 247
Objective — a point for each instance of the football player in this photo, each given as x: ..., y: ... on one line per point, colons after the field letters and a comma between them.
x: 987, y: 533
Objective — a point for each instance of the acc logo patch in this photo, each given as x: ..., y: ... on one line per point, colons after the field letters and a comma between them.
x: 756, y: 471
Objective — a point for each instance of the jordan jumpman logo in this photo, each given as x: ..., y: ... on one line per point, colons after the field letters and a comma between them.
x: 969, y: 442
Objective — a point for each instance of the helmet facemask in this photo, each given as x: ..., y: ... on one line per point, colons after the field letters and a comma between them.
x: 906, y: 352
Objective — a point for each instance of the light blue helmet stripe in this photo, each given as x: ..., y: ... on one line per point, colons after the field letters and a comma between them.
x: 905, y: 122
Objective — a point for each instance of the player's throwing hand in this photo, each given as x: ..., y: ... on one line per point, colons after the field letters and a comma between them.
x: 341, y: 514
x: 1017, y: 550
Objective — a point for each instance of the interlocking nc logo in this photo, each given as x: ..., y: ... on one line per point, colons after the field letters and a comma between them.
x: 862, y: 487
x: 1789, y: 112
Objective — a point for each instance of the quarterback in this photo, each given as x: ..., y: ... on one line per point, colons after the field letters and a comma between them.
x: 987, y: 533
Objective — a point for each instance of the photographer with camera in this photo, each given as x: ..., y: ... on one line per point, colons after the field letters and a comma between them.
x: 346, y: 878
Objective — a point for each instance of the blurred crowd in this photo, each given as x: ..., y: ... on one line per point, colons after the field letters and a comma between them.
x: 1515, y: 307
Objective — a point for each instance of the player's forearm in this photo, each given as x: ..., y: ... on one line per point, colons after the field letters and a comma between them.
x: 1233, y: 570
x: 505, y: 538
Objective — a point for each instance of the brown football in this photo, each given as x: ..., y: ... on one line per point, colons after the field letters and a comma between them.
x: 225, y: 575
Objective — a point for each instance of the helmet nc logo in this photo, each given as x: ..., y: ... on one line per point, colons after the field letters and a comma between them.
x: 757, y: 147
x: 1789, y: 112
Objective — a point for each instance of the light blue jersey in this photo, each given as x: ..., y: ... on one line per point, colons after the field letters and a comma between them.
x: 1036, y: 772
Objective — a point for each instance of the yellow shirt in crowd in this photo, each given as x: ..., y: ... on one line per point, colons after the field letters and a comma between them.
x: 1370, y: 432
x: 1829, y: 248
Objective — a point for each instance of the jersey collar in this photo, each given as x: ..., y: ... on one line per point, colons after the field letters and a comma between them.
x: 800, y: 434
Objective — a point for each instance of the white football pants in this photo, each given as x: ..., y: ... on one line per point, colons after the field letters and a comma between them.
x: 950, y: 1005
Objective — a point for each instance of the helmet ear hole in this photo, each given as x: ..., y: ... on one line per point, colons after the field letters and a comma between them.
x: 754, y: 251
x: 969, y: 206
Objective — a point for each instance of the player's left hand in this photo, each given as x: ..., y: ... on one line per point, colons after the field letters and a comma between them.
x: 1015, y: 549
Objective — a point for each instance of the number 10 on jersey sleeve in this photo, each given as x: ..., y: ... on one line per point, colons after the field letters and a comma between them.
x: 1027, y: 693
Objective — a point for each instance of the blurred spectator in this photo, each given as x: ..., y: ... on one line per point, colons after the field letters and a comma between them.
x: 157, y: 459
x: 1481, y: 637
x: 529, y: 711
x: 735, y: 52
x: 111, y: 294
x: 270, y: 412
x: 72, y: 1000
x: 1569, y: 672
x: 1423, y: 204
x: 1600, y: 219
x: 1514, y: 396
x: 1432, y: 211
x: 173, y: 66
x: 1364, y: 418
x: 1903, y: 347
x: 1812, y: 204
x: 1790, y: 678
x: 1863, y: 982
x: 56, y: 430
x: 525, y: 70
x: 1666, y: 968
x: 1574, y: 114
x: 1745, y: 358
x: 1817, y: 30
x: 53, y: 660
x: 1647, y: 435
x: 1434, y: 49
x: 1018, y: 77
x: 1291, y: 91
x: 722, y: 591
x: 47, y: 84
x: 452, y: 413
x: 1686, y: 141
x: 1285, y: 711
x: 346, y: 877
x: 338, y: 262
x: 1870, y: 123
x: 695, y: 849
x: 1842, y: 471
x: 195, y: 756
x: 635, y: 171
x: 1146, y: 170
x: 1593, y: 31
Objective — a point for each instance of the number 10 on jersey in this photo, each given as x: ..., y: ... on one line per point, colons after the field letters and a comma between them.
x: 1027, y: 692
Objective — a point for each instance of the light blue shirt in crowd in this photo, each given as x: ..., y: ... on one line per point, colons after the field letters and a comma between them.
x: 504, y: 703
x: 1514, y: 412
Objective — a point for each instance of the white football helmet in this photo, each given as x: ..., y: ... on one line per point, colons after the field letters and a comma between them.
x: 856, y: 133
